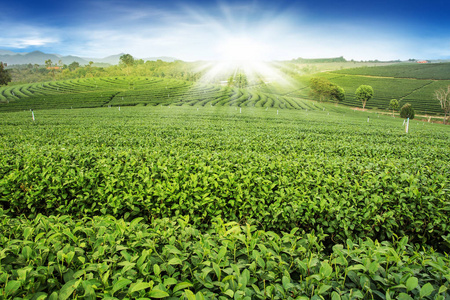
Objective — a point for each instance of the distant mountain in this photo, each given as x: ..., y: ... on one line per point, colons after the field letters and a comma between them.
x: 38, y: 57
x: 7, y: 52
x: 163, y: 58
x: 112, y: 59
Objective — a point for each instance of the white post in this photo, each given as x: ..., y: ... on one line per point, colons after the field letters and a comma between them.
x: 407, y: 125
x: 368, y: 118
x: 32, y: 115
x: 240, y: 110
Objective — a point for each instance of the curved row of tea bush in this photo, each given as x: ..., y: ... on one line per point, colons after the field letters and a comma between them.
x: 133, y: 91
x: 62, y: 257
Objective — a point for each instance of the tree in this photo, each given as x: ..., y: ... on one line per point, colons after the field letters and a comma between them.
x: 127, y: 60
x: 231, y: 81
x: 320, y: 88
x: 240, y: 80
x: 443, y: 95
x: 48, y: 63
x: 407, y: 111
x: 325, y: 90
x: 337, y: 93
x: 393, y: 105
x: 5, y: 77
x: 74, y: 65
x: 364, y: 93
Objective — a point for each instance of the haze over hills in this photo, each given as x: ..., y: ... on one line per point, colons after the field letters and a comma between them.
x: 38, y: 57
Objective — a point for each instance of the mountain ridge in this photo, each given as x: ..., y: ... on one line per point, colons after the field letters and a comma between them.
x: 39, y: 57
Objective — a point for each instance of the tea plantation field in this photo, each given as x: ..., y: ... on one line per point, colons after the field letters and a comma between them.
x: 138, y: 91
x: 219, y: 201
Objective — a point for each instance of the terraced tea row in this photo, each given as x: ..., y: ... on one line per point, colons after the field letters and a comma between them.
x: 131, y: 91
x: 420, y: 93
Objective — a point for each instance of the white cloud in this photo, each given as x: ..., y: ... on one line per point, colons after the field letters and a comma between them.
x: 23, y: 36
x: 192, y: 33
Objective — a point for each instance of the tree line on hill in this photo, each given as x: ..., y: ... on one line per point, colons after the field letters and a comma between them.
x: 135, y: 67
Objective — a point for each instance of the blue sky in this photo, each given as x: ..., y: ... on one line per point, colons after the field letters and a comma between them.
x: 207, y: 30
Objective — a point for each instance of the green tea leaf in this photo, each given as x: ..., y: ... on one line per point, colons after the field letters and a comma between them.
x: 181, y: 286
x: 67, y: 290
x: 324, y: 288
x: 140, y: 286
x: 12, y: 286
x: 155, y: 293
x: 335, y: 296
x: 156, y: 269
x: 426, y: 290
x: 175, y: 261
x: 189, y: 295
x: 411, y: 283
x: 403, y: 296
x: 120, y: 284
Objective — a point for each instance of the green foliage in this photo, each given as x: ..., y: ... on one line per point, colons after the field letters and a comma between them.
x: 364, y: 93
x: 105, y: 257
x: 393, y: 104
x: 132, y: 91
x: 439, y: 71
x: 127, y: 60
x: 74, y: 65
x: 325, y: 90
x: 48, y: 63
x: 5, y: 77
x: 278, y: 171
x: 419, y: 93
x: 209, y: 203
x: 337, y: 93
x: 238, y: 80
x: 407, y: 111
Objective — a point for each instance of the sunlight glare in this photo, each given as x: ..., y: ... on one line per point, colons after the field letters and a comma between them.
x: 240, y: 49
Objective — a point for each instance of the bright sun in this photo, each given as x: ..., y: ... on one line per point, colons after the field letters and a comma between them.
x: 240, y: 49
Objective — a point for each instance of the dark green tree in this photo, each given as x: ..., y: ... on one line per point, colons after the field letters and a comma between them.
x: 364, y: 93
x: 325, y: 90
x: 127, y: 60
x: 5, y: 77
x: 407, y: 111
x: 74, y: 66
x: 337, y: 93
